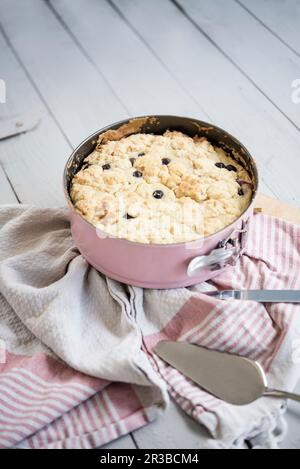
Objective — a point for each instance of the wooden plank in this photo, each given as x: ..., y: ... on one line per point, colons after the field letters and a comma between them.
x: 40, y: 69
x: 76, y: 94
x: 153, y: 90
x: 292, y: 439
x: 262, y: 57
x: 7, y: 195
x: 231, y: 100
x: 282, y: 17
x: 34, y: 161
x: 173, y: 430
x: 136, y: 75
x: 125, y: 442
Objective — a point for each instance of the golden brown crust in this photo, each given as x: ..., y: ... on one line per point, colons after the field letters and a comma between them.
x: 160, y: 188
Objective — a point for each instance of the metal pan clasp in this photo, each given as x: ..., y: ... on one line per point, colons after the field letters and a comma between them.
x: 227, y: 253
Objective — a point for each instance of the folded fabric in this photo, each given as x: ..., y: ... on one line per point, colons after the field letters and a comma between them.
x: 77, y: 367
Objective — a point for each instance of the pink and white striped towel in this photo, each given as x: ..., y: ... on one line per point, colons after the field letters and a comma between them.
x: 77, y: 367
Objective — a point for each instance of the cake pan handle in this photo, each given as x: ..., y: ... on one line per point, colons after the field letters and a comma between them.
x: 227, y: 252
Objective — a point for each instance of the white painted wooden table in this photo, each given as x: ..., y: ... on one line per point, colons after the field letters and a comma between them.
x: 81, y: 64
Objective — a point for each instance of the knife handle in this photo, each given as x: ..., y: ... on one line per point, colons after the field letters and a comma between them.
x: 282, y: 394
x: 223, y: 294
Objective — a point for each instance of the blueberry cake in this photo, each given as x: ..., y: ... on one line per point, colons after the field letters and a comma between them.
x: 160, y: 189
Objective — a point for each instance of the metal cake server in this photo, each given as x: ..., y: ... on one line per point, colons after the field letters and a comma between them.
x: 262, y: 296
x: 233, y: 379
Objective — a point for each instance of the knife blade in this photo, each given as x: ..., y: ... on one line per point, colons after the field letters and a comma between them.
x: 261, y: 296
x: 231, y: 378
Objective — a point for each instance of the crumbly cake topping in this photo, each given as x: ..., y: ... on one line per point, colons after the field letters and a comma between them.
x: 160, y: 189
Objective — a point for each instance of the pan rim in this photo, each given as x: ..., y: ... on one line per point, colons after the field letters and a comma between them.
x: 160, y: 245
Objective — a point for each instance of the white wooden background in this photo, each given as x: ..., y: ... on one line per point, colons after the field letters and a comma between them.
x: 82, y: 64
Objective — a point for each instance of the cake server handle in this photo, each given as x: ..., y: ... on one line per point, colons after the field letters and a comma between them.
x: 282, y: 394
